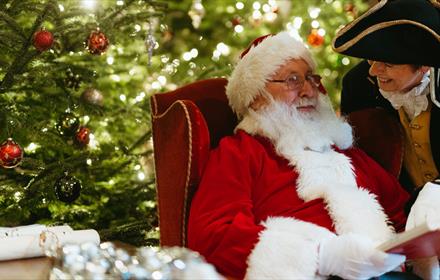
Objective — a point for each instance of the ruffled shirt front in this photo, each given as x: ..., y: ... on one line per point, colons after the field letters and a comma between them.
x: 413, y: 101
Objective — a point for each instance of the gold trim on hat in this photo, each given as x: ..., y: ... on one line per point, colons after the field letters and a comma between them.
x: 349, y: 25
x: 379, y: 26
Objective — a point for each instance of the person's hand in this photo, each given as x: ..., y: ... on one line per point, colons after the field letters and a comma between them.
x: 353, y: 256
x: 427, y: 268
x: 426, y: 208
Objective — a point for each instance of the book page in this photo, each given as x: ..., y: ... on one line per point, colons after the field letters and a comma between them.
x: 420, y: 242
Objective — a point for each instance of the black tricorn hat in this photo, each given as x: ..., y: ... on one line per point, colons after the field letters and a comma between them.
x: 397, y: 32
x: 394, y: 31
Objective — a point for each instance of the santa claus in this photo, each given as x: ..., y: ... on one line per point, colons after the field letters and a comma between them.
x: 288, y: 196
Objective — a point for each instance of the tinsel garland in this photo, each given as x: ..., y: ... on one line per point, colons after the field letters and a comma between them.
x: 107, y: 261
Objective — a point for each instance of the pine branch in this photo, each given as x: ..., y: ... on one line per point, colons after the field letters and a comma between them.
x: 14, y: 26
x: 144, y: 16
x: 110, y: 17
x: 146, y: 153
x: 66, y: 164
x: 140, y: 141
x: 134, y: 233
x: 23, y: 57
x: 119, y: 168
x: 3, y: 5
x: 3, y: 63
x: 15, y: 6
x: 158, y: 11
x: 10, y: 40
x: 158, y: 4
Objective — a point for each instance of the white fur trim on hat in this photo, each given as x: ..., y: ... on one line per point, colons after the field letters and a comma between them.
x: 287, y: 249
x: 251, y: 73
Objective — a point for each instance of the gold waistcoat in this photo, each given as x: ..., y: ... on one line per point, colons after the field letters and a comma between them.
x: 417, y: 157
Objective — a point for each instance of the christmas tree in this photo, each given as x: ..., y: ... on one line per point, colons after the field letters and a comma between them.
x: 75, y: 82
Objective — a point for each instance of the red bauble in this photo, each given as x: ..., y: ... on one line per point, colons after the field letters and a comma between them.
x: 11, y: 154
x: 97, y: 42
x: 315, y: 39
x: 351, y: 10
x: 236, y: 21
x: 82, y: 137
x: 43, y: 40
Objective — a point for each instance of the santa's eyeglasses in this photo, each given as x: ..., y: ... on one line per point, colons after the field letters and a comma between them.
x: 296, y: 82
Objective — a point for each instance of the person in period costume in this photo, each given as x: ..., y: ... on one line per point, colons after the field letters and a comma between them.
x: 400, y: 40
x: 288, y: 196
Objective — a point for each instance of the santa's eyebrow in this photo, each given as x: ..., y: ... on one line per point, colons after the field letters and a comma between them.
x: 309, y: 72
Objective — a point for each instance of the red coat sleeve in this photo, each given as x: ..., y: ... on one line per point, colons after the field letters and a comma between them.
x: 221, y: 224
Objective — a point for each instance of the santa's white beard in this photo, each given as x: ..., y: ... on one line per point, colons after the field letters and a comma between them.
x: 292, y: 131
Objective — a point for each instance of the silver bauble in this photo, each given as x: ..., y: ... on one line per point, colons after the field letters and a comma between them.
x: 92, y: 96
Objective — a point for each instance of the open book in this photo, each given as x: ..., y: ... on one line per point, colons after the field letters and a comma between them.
x: 419, y: 242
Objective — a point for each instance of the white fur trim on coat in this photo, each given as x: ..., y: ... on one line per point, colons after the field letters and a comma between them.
x: 256, y: 67
x: 329, y: 175
x: 287, y: 249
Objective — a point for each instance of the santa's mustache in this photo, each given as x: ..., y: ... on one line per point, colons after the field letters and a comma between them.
x: 303, y: 102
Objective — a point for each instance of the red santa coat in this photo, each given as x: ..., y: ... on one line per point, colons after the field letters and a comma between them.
x: 255, y: 214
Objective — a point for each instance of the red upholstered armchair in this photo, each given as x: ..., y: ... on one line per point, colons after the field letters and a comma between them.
x: 380, y: 135
x: 191, y: 120
x: 186, y: 124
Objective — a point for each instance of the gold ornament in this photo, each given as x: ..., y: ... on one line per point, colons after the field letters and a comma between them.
x: 196, y: 13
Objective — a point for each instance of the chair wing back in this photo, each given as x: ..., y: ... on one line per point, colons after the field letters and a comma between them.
x: 186, y: 124
x: 380, y: 135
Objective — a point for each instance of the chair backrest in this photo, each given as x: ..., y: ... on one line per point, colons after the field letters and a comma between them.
x: 380, y: 135
x: 186, y: 124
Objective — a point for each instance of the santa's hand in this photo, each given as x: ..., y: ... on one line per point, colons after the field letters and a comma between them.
x: 426, y: 207
x: 354, y: 256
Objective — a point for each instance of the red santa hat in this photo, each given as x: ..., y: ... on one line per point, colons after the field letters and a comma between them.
x: 258, y: 63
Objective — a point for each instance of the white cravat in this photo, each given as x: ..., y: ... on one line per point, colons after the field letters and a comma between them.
x: 413, y: 101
